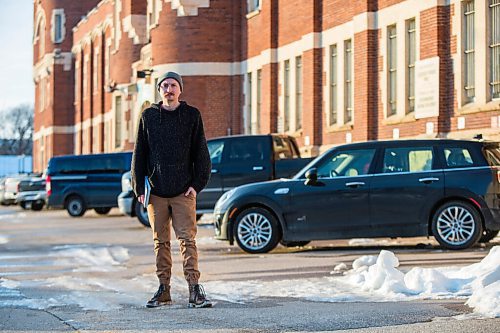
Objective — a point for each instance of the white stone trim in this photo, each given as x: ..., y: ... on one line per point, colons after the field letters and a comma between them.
x: 58, y: 11
x: 135, y: 26
x: 45, y: 131
x: 189, y: 7
x: 116, y: 32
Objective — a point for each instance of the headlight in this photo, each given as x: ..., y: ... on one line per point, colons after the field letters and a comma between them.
x: 224, y: 198
x: 126, y: 186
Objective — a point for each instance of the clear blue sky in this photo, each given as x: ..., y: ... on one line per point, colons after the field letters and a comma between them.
x: 16, y: 53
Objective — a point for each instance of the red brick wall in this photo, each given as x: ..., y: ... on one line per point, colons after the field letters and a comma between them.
x: 214, y: 103
x: 204, y: 38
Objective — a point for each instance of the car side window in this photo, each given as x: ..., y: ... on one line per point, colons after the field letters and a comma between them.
x: 282, y: 149
x: 215, y: 150
x: 410, y: 159
x: 347, y: 163
x: 246, y: 151
x: 458, y: 157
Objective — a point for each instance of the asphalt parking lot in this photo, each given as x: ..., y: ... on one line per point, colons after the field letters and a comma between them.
x: 95, y: 274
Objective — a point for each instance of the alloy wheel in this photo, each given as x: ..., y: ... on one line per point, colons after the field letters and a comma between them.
x: 255, y: 231
x: 456, y: 225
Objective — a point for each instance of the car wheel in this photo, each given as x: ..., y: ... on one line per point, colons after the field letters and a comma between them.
x: 142, y: 214
x: 23, y: 205
x: 457, y: 225
x: 488, y: 235
x: 36, y: 206
x: 102, y: 210
x: 75, y: 206
x: 294, y: 244
x: 257, y: 231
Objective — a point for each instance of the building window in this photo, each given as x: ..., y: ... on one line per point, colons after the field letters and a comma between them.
x: 107, y: 56
x: 95, y: 75
x: 248, y: 126
x: 333, y: 85
x: 58, y: 21
x: 287, y: 96
x: 348, y: 86
x: 253, y: 5
x: 298, y: 93
x: 468, y: 42
x: 118, y: 121
x: 392, y: 51
x: 40, y: 37
x: 41, y: 94
x: 47, y: 93
x: 410, y: 65
x: 85, y: 76
x: 259, y: 100
x: 495, y: 48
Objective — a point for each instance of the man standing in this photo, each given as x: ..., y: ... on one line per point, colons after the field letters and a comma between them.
x: 171, y: 150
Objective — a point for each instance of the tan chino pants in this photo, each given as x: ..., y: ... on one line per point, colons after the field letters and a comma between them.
x: 183, y: 218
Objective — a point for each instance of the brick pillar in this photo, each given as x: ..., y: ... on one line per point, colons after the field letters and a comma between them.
x: 435, y: 42
x: 365, y: 85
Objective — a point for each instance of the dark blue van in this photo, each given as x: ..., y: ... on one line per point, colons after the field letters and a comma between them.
x: 80, y: 182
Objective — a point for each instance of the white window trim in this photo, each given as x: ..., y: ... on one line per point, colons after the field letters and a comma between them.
x: 292, y: 89
x: 344, y: 95
x: 481, y: 67
x: 249, y: 103
x: 401, y: 65
x: 407, y: 65
x: 58, y: 11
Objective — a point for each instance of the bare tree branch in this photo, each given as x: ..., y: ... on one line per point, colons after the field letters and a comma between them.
x: 16, y: 130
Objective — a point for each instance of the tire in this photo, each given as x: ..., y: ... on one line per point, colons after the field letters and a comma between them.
x: 142, y: 214
x: 75, y: 206
x: 294, y: 244
x: 456, y: 225
x: 23, y: 205
x: 256, y: 230
x: 102, y: 210
x: 488, y: 235
x: 36, y: 206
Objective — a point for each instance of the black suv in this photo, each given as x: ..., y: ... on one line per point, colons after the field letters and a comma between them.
x: 80, y: 182
x: 446, y: 188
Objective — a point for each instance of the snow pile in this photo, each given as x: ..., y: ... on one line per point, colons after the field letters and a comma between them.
x: 88, y: 258
x: 378, y: 279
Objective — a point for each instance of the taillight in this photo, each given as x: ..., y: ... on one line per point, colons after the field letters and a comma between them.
x: 48, y: 188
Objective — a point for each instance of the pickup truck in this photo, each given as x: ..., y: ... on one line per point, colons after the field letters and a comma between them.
x: 236, y: 160
x: 31, y: 193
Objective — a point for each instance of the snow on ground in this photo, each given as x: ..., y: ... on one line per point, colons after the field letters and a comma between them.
x: 371, y: 279
x: 377, y: 279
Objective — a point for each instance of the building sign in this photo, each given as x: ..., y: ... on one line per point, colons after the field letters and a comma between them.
x: 427, y: 88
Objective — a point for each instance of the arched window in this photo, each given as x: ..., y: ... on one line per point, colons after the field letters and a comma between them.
x: 39, y: 34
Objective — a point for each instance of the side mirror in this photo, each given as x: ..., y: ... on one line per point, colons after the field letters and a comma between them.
x: 311, y: 177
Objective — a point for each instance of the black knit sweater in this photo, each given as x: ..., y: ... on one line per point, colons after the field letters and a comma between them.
x: 170, y: 149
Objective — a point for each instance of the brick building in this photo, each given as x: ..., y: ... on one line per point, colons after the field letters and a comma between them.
x: 325, y: 71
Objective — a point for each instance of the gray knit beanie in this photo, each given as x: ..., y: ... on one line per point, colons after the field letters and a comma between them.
x: 170, y: 75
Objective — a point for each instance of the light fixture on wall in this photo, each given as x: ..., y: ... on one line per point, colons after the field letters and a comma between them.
x: 141, y: 74
x: 111, y: 87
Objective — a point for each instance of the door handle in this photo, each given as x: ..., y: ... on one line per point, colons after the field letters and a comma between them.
x: 258, y: 168
x: 214, y: 171
x: 355, y: 184
x: 428, y: 180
